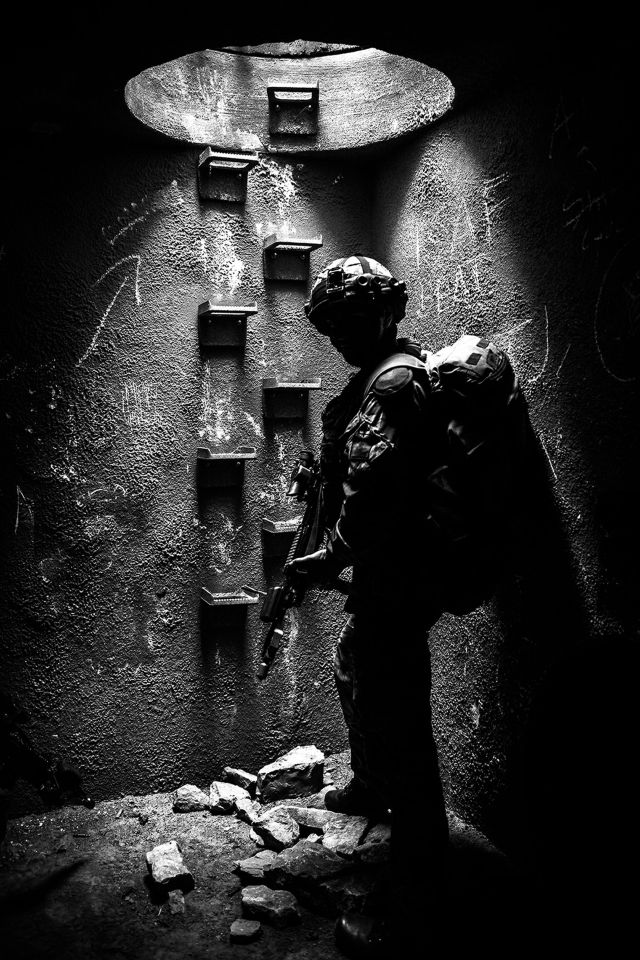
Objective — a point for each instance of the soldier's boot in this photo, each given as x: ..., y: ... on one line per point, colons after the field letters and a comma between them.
x: 356, y: 798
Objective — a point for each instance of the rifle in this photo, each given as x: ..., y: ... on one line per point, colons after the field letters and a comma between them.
x: 305, y: 486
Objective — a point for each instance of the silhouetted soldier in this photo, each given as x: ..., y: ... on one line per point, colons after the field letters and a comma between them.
x: 376, y: 451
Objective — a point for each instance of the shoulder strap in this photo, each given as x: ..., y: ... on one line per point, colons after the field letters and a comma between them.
x: 390, y: 363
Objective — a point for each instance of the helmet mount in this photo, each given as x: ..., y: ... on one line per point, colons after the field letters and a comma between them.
x: 356, y: 282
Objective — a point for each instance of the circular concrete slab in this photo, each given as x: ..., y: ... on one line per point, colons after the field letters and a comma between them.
x: 220, y: 98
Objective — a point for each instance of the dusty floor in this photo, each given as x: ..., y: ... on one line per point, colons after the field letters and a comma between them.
x: 74, y: 884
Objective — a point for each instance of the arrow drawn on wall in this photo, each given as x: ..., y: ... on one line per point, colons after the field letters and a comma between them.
x: 133, y: 275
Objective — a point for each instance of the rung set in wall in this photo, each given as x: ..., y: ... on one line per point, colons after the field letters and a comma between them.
x: 223, y: 176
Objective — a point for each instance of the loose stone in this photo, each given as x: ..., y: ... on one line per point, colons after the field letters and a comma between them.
x: 167, y: 866
x: 305, y: 862
x: 240, y: 778
x: 278, y: 829
x: 311, y: 818
x: 252, y: 868
x: 257, y: 839
x: 224, y: 796
x: 278, y: 907
x: 188, y: 799
x: 343, y: 836
x: 245, y: 931
x: 298, y: 772
x: 379, y: 833
x: 248, y: 810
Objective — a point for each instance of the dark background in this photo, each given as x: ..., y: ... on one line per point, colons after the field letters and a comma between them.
x: 567, y: 801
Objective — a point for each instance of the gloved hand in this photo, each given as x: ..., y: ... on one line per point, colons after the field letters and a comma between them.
x: 316, y: 566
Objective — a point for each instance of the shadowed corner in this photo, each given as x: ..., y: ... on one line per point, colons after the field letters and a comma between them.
x: 32, y: 895
x: 544, y: 620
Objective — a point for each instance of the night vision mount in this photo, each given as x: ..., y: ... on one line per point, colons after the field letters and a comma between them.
x: 341, y: 286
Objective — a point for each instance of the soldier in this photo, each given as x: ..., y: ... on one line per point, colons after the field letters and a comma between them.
x: 376, y: 447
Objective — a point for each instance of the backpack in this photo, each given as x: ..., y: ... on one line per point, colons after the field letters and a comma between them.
x: 472, y: 498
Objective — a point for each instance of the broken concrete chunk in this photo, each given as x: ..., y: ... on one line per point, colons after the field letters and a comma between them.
x: 298, y: 772
x: 176, y: 901
x: 311, y: 818
x: 317, y: 799
x: 277, y: 828
x: 304, y: 862
x: 379, y: 833
x: 278, y: 907
x: 257, y: 839
x: 343, y: 835
x: 319, y: 878
x: 253, y: 867
x: 223, y: 796
x: 240, y: 778
x: 188, y: 799
x: 248, y: 810
x: 167, y: 866
x: 245, y: 931
x: 376, y: 845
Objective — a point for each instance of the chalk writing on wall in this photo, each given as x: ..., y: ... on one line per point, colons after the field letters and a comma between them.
x: 586, y: 206
x: 161, y: 201
x: 130, y: 267
x: 451, y: 245
x: 140, y: 403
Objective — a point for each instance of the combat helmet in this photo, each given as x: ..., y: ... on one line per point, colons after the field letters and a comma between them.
x: 357, y: 280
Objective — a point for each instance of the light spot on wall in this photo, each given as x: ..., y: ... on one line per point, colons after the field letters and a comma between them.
x: 225, y: 536
x: 475, y: 714
x: 285, y: 227
x: 292, y: 704
x: 227, y: 268
x: 255, y: 426
x: 216, y: 413
x: 284, y: 191
x: 274, y: 492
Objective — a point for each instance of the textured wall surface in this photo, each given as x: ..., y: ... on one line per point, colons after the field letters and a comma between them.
x: 514, y: 216
x: 108, y: 396
x: 515, y: 220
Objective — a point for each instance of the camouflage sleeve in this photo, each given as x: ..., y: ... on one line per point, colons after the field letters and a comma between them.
x: 381, y: 450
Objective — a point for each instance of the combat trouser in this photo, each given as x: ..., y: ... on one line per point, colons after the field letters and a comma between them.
x: 383, y: 677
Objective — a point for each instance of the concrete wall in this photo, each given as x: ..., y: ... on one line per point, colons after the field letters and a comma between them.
x: 108, y: 395
x: 512, y: 217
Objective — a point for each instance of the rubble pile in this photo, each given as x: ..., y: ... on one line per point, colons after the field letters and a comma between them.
x: 304, y: 853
